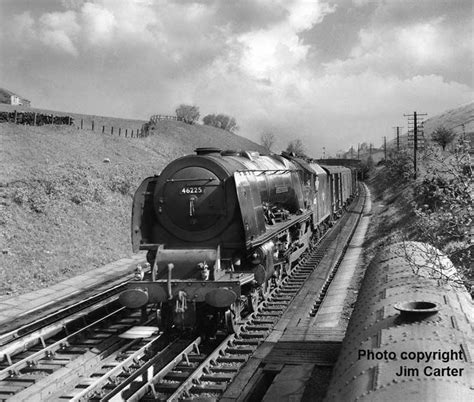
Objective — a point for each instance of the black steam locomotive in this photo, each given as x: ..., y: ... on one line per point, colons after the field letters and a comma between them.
x: 222, y: 227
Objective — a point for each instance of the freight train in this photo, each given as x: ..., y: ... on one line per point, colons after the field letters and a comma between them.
x: 410, y: 337
x: 222, y: 227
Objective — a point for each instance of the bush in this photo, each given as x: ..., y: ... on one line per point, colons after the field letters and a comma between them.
x: 187, y: 113
x: 398, y: 168
x: 443, y: 205
x: 121, y: 184
x: 221, y: 121
x: 33, y: 196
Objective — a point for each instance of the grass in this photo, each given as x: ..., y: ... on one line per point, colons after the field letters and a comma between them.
x: 66, y: 195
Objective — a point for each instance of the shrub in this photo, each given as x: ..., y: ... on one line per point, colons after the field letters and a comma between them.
x: 443, y: 205
x: 399, y: 167
x: 221, y: 121
x: 188, y: 114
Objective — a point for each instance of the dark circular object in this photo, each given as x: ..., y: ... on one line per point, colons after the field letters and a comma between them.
x: 134, y: 298
x: 193, y: 199
x: 417, y: 307
x: 260, y: 274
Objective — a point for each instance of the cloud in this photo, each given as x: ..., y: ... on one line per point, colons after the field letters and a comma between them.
x: 261, y: 61
x: 267, y: 53
x: 24, y: 27
x: 408, y: 39
x: 98, y: 24
x: 58, y: 30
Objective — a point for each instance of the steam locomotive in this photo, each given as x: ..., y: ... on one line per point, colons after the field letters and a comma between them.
x: 222, y: 227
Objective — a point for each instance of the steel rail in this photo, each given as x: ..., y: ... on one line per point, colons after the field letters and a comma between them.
x: 73, y: 307
x: 122, y: 368
x: 48, y: 350
x: 24, y: 342
x: 150, y: 384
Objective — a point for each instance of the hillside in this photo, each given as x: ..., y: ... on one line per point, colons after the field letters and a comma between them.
x: 460, y: 120
x: 436, y: 207
x: 66, y: 194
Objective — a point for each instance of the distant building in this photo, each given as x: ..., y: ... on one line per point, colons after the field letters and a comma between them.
x: 11, y: 98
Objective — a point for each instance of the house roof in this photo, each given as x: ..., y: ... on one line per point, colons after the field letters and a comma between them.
x: 5, y: 95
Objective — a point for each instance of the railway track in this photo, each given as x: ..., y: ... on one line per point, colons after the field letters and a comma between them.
x: 205, y: 372
x: 84, y: 357
x: 60, y: 313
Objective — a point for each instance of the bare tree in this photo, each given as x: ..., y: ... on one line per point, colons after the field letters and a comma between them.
x: 296, y: 146
x: 267, y: 139
x: 443, y: 137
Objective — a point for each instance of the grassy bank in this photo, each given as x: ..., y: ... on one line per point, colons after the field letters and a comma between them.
x: 66, y: 195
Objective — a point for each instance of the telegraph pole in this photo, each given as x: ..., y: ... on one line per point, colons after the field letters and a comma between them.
x: 398, y: 137
x: 414, y: 119
x: 358, y: 151
x: 385, y: 147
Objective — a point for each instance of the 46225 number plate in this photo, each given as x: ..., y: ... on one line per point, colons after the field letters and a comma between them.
x: 192, y: 190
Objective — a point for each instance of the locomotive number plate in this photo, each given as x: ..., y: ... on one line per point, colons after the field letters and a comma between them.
x: 192, y: 190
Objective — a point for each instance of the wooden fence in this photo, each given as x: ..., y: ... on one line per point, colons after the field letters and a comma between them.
x: 161, y: 117
x: 112, y: 130
x: 39, y: 119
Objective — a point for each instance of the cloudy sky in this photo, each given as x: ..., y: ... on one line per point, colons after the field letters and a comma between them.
x: 333, y: 73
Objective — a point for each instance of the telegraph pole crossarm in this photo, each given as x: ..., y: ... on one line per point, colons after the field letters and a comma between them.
x: 413, y: 118
x: 398, y: 136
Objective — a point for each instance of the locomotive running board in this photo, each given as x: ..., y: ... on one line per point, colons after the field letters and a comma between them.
x: 278, y: 227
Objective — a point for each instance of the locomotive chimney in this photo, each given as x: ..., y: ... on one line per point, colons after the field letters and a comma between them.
x: 207, y: 151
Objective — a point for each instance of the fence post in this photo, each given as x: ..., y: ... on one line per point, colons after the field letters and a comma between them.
x: 120, y: 131
x: 15, y: 118
x: 126, y: 132
x: 82, y: 123
x: 111, y: 130
x: 92, y: 125
x: 103, y: 129
x: 34, y: 119
x: 131, y: 134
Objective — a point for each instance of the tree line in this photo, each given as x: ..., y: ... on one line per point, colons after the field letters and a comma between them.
x: 190, y: 114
